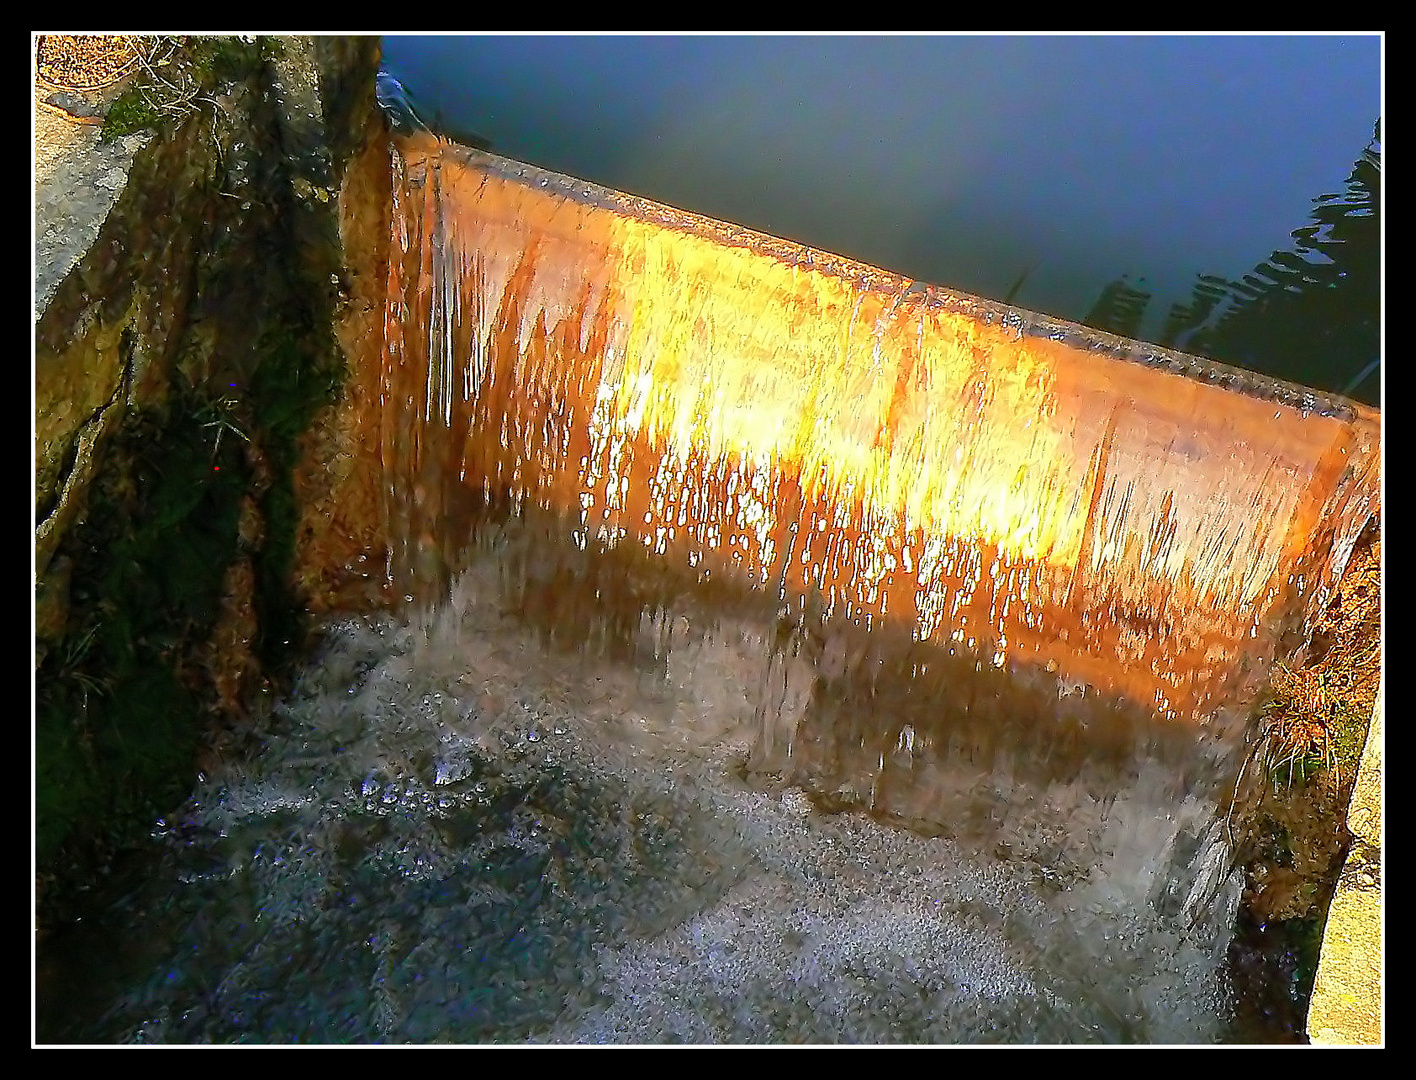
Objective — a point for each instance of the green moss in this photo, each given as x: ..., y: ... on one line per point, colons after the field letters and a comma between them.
x: 1349, y: 737
x: 215, y: 60
x: 129, y: 113
x: 1307, y: 938
x: 1296, y: 772
x: 118, y: 701
x: 297, y: 375
x: 189, y: 65
x: 120, y: 707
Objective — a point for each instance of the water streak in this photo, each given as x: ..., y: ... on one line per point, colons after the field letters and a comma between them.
x: 854, y: 449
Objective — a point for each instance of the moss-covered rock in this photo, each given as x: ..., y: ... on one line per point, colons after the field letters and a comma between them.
x: 176, y: 369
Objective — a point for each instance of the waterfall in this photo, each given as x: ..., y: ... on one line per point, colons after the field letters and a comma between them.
x: 713, y: 560
x: 1007, y: 508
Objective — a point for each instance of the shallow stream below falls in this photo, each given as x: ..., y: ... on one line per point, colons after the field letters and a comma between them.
x: 457, y: 834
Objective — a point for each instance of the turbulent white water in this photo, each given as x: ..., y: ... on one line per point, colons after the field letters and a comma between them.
x: 457, y: 835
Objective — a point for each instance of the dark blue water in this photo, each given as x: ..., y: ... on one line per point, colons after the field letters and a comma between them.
x: 1090, y: 178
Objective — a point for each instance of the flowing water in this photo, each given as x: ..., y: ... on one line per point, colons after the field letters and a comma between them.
x: 458, y: 832
x: 781, y: 652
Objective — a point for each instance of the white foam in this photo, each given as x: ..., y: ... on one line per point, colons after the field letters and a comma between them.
x: 460, y: 836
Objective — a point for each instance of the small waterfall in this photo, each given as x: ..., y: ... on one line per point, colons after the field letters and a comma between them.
x: 714, y: 560
x: 1001, y: 516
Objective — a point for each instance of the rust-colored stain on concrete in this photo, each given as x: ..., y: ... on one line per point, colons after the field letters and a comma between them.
x: 845, y: 440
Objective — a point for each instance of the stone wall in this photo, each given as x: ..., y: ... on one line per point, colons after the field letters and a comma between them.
x: 178, y: 368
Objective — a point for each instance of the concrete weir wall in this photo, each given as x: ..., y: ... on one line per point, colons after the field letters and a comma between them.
x: 1045, y: 497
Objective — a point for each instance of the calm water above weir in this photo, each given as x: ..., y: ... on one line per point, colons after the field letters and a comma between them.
x: 1172, y: 188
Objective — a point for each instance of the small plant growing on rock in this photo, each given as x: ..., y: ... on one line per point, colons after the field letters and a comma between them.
x: 176, y: 76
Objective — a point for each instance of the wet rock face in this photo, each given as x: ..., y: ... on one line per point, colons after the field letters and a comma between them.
x: 176, y: 365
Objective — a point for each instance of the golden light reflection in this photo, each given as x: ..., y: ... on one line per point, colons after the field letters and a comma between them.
x: 737, y: 405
